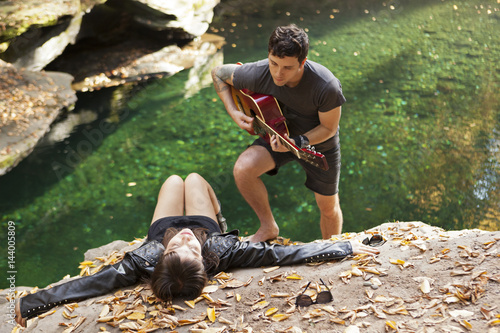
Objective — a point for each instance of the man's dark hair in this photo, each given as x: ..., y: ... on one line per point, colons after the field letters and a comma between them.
x: 289, y: 41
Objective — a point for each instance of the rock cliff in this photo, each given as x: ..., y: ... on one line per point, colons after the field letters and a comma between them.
x: 425, y: 279
x: 96, y: 44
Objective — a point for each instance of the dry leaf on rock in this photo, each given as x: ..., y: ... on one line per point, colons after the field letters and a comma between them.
x: 190, y: 304
x: 391, y: 324
x: 136, y: 315
x: 223, y: 320
x: 425, y: 286
x: 314, y: 313
x: 486, y: 313
x: 270, y: 312
x: 260, y: 305
x: 71, y: 307
x: 223, y: 276
x: 210, y: 289
x: 129, y: 326
x: 233, y: 283
x: 461, y: 313
x: 277, y: 277
x: 270, y: 269
x: 329, y: 309
x: 194, y: 320
x: 339, y: 321
x: 211, y: 314
x: 352, y: 329
x: 261, y: 281
x: 47, y: 314
x: 466, y: 324
x: 105, y: 319
x: 66, y: 315
x: 280, y: 317
x: 494, y: 322
x: 294, y: 276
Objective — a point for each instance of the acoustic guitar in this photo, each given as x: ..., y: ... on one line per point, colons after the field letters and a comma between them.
x: 269, y: 121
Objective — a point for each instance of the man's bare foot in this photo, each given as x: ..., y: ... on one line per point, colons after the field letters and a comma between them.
x: 20, y: 320
x: 263, y: 235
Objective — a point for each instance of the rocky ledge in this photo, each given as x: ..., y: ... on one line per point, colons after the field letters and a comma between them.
x: 94, y: 44
x: 425, y: 279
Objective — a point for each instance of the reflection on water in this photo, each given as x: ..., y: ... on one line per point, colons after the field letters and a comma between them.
x: 419, y: 135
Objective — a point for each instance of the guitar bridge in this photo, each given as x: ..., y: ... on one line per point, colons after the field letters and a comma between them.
x: 277, y: 121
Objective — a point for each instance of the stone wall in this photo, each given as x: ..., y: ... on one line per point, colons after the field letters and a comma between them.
x: 95, y: 44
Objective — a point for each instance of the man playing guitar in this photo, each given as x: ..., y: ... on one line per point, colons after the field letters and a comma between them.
x: 310, y: 97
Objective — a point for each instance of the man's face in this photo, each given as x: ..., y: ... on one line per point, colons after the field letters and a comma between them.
x: 285, y: 71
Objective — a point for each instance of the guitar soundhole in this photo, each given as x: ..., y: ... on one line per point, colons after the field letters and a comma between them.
x: 256, y: 128
x: 240, y: 105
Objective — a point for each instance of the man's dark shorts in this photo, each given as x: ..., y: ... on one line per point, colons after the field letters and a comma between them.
x: 317, y: 180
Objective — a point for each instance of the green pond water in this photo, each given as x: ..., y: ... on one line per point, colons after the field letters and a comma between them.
x: 419, y: 134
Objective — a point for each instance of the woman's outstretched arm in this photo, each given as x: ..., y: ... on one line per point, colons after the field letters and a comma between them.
x: 127, y: 272
x: 247, y: 254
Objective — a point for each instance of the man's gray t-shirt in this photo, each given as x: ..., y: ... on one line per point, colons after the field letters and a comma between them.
x: 318, y: 91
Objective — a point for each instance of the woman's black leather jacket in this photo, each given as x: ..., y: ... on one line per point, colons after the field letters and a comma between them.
x: 139, y: 264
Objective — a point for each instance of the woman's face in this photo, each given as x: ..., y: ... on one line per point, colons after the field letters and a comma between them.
x: 185, y: 245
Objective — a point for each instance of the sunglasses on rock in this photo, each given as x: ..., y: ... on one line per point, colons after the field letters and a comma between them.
x: 323, y: 297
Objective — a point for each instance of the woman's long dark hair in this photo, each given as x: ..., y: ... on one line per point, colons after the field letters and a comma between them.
x: 175, y: 277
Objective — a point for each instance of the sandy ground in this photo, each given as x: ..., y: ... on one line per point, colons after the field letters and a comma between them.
x: 424, y: 280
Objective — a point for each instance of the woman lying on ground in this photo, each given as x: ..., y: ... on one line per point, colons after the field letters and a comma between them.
x: 185, y: 244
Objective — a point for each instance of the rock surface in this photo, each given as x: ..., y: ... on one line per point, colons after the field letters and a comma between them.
x: 424, y: 280
x: 29, y: 103
x: 98, y: 44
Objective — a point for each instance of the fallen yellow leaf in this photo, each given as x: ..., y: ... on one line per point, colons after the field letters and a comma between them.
x: 425, y: 286
x: 466, y: 324
x: 280, y: 317
x: 337, y: 320
x: 294, y: 276
x: 223, y: 276
x: 136, y: 316
x: 494, y: 322
x: 190, y: 304
x: 397, y: 261
x: 210, y: 289
x: 270, y: 269
x: 211, y: 314
x: 260, y: 305
x: 67, y: 315
x: 271, y: 311
x: 391, y: 324
x: 47, y: 314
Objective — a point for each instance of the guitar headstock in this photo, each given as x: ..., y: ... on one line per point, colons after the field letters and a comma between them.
x: 313, y: 157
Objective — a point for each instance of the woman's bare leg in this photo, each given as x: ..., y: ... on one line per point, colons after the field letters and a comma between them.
x: 170, y: 199
x: 200, y: 197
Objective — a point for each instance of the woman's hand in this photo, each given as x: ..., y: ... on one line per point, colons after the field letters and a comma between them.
x: 19, y: 319
x: 359, y: 248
